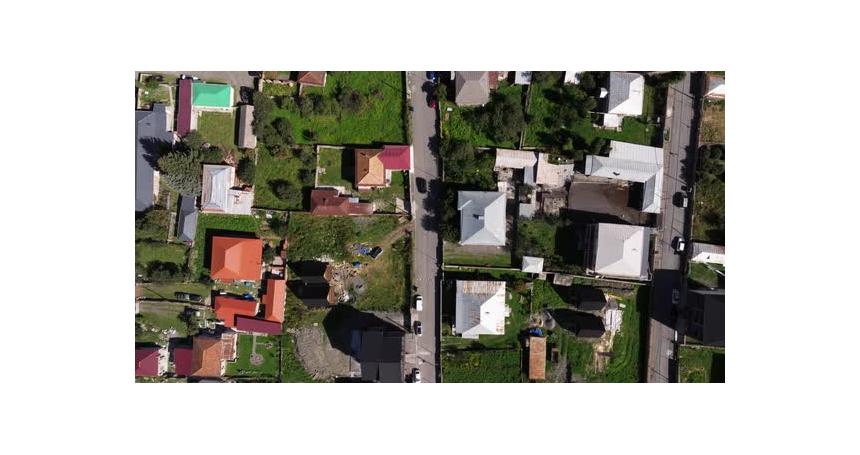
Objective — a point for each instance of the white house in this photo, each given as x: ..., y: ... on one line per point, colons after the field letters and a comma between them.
x: 482, y: 217
x: 626, y: 98
x: 634, y: 163
x: 219, y: 194
x: 620, y: 250
x: 481, y: 308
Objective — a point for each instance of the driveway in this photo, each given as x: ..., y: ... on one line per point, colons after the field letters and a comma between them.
x: 427, y: 247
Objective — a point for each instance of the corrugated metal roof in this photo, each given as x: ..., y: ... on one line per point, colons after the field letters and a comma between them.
x: 622, y: 251
x: 480, y: 308
x: 482, y: 217
x: 634, y: 163
x: 471, y: 88
x: 515, y: 159
x: 626, y: 93
x: 152, y: 132
x: 187, y: 227
x: 247, y: 139
x: 532, y: 264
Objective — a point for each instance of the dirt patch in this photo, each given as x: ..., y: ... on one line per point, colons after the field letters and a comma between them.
x: 713, y: 123
x: 318, y: 357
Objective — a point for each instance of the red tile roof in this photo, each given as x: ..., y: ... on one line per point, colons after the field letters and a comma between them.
x: 255, y: 325
x: 183, y: 114
x: 395, y: 157
x: 236, y: 258
x: 182, y: 360
x: 328, y: 202
x: 273, y: 300
x: 206, y: 357
x: 227, y: 308
x: 146, y: 361
x: 316, y: 78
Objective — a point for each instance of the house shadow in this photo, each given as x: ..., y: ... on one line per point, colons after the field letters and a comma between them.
x: 342, y: 323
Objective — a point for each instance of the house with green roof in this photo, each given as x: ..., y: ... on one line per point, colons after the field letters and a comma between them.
x: 205, y: 96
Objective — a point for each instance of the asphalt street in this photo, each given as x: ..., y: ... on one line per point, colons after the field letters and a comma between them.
x: 427, y: 247
x: 674, y: 222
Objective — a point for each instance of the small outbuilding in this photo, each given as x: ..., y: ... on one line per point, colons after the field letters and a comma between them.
x: 532, y: 264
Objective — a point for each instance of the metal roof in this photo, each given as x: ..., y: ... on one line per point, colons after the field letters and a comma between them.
x: 471, y: 88
x: 480, y: 308
x: 532, y: 264
x: 626, y: 93
x: 482, y: 217
x: 634, y: 163
x: 187, y: 228
x: 247, y: 139
x: 622, y: 251
x: 152, y: 131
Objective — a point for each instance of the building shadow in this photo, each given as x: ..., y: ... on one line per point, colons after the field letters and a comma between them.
x: 718, y: 367
x: 342, y: 321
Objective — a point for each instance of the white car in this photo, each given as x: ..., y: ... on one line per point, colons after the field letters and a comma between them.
x: 680, y: 244
x: 416, y: 375
x: 419, y: 302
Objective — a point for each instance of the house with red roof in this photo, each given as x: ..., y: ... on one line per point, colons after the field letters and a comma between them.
x: 311, y: 78
x: 149, y: 361
x: 329, y: 202
x: 273, y: 300
x: 236, y: 258
x: 373, y: 167
x: 182, y: 360
x: 183, y: 108
x: 258, y: 326
x: 227, y: 308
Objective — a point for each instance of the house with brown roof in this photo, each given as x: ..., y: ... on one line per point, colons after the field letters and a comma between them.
x: 373, y: 167
x: 329, y: 202
x: 311, y: 79
x: 235, y: 258
x: 537, y: 358
x: 210, y: 354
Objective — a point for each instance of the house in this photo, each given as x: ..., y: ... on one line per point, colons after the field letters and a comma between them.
x: 482, y: 217
x: 522, y: 77
x: 220, y: 194
x: 582, y: 325
x: 311, y: 78
x: 626, y: 98
x: 572, y: 76
x: 149, y: 361
x: 588, y: 298
x: 517, y: 159
x: 381, y: 355
x: 472, y: 88
x: 716, y: 87
x: 246, y: 138
x: 186, y: 228
x: 273, y: 300
x: 211, y: 97
x: 634, y: 163
x: 228, y: 308
x: 312, y: 286
x: 236, y: 258
x: 184, y: 115
x: 707, y: 312
x: 182, y: 360
x: 707, y: 253
x: 550, y: 175
x: 152, y: 131
x: 207, y: 357
x: 257, y: 326
x: 618, y: 250
x: 480, y: 308
x: 537, y: 358
x: 373, y: 167
x: 532, y: 264
x: 329, y: 202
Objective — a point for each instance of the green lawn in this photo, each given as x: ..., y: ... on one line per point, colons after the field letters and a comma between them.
x: 311, y: 237
x: 162, y: 317
x: 455, y: 254
x: 270, y: 170
x: 167, y: 290
x: 709, y: 213
x: 218, y: 128
x: 455, y: 125
x: 146, y: 252
x: 159, y: 95
x: 212, y: 222
x: 267, y: 347
x: 330, y: 168
x: 291, y: 369
x: 704, y: 275
x: 702, y: 364
x: 625, y: 364
x: 385, y: 198
x: 482, y: 366
x: 272, y: 89
x: 388, y: 279
x: 298, y: 315
x: 381, y: 120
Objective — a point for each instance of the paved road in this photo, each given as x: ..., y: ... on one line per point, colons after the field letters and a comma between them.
x: 674, y: 222
x: 427, y: 247
x: 235, y: 78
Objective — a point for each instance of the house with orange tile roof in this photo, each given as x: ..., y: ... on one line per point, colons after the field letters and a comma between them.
x: 311, y: 78
x: 236, y: 258
x: 227, y: 308
x: 207, y: 357
x: 273, y: 300
x: 373, y: 167
x: 329, y: 202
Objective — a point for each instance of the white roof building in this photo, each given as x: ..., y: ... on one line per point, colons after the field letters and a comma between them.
x: 572, y: 77
x: 514, y: 159
x: 716, y: 87
x: 471, y: 88
x: 621, y: 251
x: 482, y: 217
x: 219, y: 196
x: 522, y: 77
x: 634, y: 163
x: 626, y: 97
x: 481, y: 308
x: 532, y: 264
x: 707, y: 253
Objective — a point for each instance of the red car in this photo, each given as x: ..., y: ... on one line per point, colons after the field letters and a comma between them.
x: 432, y: 104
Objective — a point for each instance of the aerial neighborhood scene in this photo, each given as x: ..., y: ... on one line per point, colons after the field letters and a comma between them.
x: 430, y: 226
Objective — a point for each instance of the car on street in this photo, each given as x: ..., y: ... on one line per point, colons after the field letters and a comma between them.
x: 679, y: 244
x: 375, y: 252
x: 421, y: 185
x: 416, y: 375
x: 419, y: 302
x: 417, y: 328
x: 188, y: 297
x: 431, y: 75
x: 432, y: 103
x: 682, y: 199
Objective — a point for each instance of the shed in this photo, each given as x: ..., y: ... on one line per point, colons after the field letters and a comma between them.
x: 537, y: 358
x: 532, y: 264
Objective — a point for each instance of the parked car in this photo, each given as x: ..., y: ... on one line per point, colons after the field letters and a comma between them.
x: 416, y: 375
x: 679, y: 244
x: 432, y: 76
x: 188, y: 297
x: 375, y: 252
x: 682, y: 199
x: 417, y: 328
x: 419, y: 302
x: 421, y: 184
x: 432, y: 103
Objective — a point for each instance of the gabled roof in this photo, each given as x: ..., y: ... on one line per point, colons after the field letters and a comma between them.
x: 634, y: 163
x: 187, y: 222
x: 274, y: 298
x: 152, y: 131
x: 537, y: 358
x: 532, y: 264
x: 369, y: 170
x: 480, y: 308
x: 211, y: 95
x: 182, y: 360
x: 329, y: 202
x: 515, y: 159
x: 315, y: 78
x: 246, y: 138
x: 381, y: 356
x: 622, y: 251
x: 217, y: 180
x: 207, y: 357
x: 626, y: 93
x: 254, y: 325
x: 396, y: 157
x: 183, y: 113
x: 146, y: 361
x: 236, y: 258
x: 227, y: 308
x: 471, y: 88
x: 482, y: 217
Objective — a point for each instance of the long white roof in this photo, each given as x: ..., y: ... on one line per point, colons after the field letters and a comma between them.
x: 634, y: 163
x: 480, y: 308
x: 626, y: 93
x: 482, y: 217
x: 515, y: 159
x: 622, y: 251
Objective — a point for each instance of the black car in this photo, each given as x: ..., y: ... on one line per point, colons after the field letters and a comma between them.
x: 375, y: 252
x: 417, y: 328
x: 432, y: 76
x: 188, y: 297
x: 421, y: 185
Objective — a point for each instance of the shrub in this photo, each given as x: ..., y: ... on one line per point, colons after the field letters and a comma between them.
x: 247, y: 170
x: 212, y: 155
x: 310, y: 135
x: 163, y: 271
x: 268, y: 253
x: 152, y: 224
x: 181, y: 171
x: 502, y: 118
x: 287, y: 192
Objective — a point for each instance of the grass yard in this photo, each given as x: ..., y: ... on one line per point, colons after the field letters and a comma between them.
x: 388, y: 279
x: 702, y: 364
x: 146, y: 252
x: 312, y: 237
x: 703, y: 274
x: 713, y: 122
x: 551, y: 238
x: 211, y: 222
x: 385, y: 198
x: 626, y: 363
x: 455, y: 254
x: 273, y: 89
x: 455, y: 125
x: 709, y: 214
x: 298, y: 315
x: 167, y: 290
x: 330, y: 168
x: 160, y: 95
x: 218, y: 128
x: 381, y: 120
x: 270, y: 170
x: 291, y: 368
x: 267, y: 347
x: 161, y: 317
x: 482, y: 366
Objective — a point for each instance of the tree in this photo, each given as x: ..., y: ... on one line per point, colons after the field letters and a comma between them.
x: 263, y: 109
x: 502, y: 118
x: 152, y: 224
x: 193, y: 140
x: 287, y: 192
x: 212, y: 155
x: 539, y: 77
x: 163, y: 271
x: 181, y: 171
x: 268, y: 253
x: 247, y: 170
x: 440, y: 92
x: 310, y: 135
x: 465, y: 166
